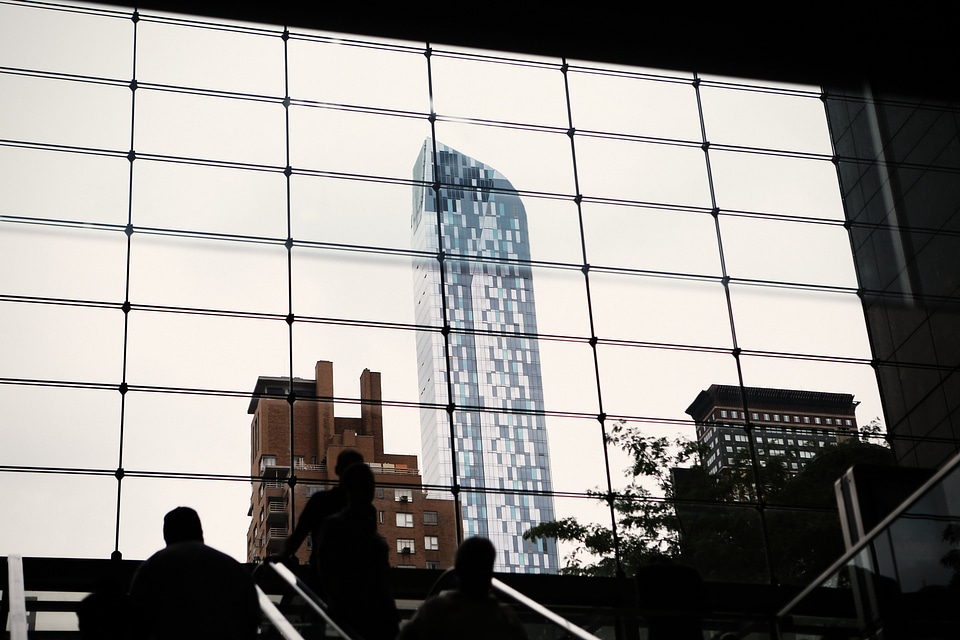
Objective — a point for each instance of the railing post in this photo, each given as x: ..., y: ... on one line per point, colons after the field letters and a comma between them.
x: 18, y: 602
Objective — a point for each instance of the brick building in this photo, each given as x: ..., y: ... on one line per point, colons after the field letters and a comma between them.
x: 420, y: 531
x: 788, y: 423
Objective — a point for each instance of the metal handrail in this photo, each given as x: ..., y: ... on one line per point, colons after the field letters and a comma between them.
x: 874, y: 533
x: 315, y: 602
x: 276, y: 618
x: 558, y: 620
x: 18, y: 598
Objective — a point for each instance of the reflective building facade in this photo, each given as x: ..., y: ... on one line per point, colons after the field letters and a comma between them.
x: 898, y: 162
x: 479, y: 257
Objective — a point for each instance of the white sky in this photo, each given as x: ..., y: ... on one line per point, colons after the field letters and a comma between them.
x: 73, y: 515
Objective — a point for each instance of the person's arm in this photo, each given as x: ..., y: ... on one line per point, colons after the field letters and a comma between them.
x: 295, y: 539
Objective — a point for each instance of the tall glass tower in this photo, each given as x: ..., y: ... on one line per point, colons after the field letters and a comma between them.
x: 494, y: 395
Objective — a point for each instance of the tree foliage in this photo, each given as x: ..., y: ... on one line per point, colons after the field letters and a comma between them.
x: 713, y: 522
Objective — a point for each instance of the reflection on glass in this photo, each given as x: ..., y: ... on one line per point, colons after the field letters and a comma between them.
x: 357, y: 119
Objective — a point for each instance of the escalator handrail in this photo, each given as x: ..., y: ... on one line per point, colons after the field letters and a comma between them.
x: 311, y: 598
x: 18, y: 598
x: 558, y: 620
x: 276, y: 618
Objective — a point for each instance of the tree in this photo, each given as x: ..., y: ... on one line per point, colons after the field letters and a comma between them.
x: 713, y: 522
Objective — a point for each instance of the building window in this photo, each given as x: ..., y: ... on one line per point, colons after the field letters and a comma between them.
x: 405, y: 546
x: 380, y: 492
x: 431, y: 517
x: 776, y: 417
x: 816, y: 420
x: 755, y: 415
x: 403, y: 495
x: 431, y: 564
x: 806, y: 419
x: 431, y: 543
x: 766, y: 416
x: 723, y: 413
x: 405, y: 520
x: 298, y: 462
x: 381, y: 516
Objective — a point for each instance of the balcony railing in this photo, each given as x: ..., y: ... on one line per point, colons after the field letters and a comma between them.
x: 396, y: 469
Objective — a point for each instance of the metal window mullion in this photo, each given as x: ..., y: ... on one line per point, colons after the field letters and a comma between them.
x: 585, y: 268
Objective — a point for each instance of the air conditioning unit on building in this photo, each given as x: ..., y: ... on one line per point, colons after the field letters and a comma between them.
x: 404, y: 498
x: 405, y: 551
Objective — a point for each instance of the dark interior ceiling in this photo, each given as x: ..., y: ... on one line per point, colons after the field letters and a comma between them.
x: 897, y: 49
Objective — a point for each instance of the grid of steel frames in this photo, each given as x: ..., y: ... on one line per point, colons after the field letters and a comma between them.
x: 429, y: 54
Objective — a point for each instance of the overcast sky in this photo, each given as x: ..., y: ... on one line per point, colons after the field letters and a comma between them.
x: 797, y: 239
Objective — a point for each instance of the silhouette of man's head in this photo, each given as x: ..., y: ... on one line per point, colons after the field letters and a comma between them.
x: 357, y: 480
x: 182, y: 525
x: 474, y: 565
x: 347, y: 458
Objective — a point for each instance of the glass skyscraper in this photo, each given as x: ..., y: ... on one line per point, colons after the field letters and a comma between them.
x: 484, y: 334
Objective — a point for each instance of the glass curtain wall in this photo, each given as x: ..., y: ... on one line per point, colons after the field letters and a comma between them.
x: 186, y: 205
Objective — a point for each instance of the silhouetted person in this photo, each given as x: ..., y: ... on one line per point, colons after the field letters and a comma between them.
x: 105, y: 614
x: 191, y: 591
x: 353, y: 563
x: 469, y: 612
x: 674, y: 597
x: 319, y: 507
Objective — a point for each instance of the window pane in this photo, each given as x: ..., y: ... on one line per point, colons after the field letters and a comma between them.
x: 32, y: 262
x: 64, y: 186
x: 651, y: 239
x: 220, y: 59
x: 209, y: 199
x: 66, y: 42
x: 656, y: 104
x: 65, y: 113
x: 505, y: 92
x: 394, y: 77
